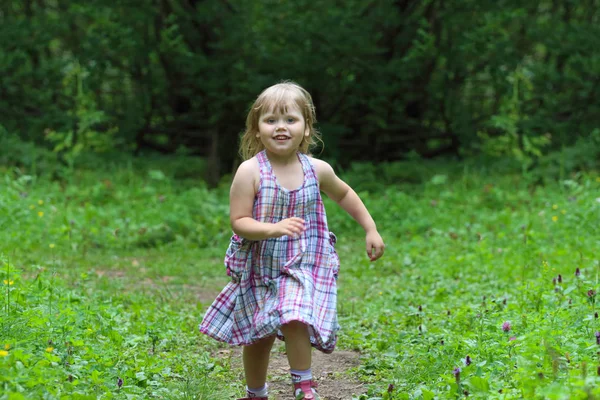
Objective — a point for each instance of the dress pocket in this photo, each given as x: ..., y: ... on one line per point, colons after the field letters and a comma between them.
x: 334, y: 259
x: 236, y: 257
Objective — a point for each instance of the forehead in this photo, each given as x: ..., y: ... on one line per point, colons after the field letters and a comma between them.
x: 289, y: 107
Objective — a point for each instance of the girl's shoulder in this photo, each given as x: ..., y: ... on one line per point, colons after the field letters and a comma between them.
x: 249, y: 170
x: 321, y: 167
x: 250, y: 164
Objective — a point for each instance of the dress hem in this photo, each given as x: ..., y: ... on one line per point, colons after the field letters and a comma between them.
x: 275, y: 333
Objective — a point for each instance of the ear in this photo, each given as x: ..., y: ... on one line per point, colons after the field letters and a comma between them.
x: 307, y: 132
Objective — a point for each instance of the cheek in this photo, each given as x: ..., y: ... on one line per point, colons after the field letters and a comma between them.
x: 263, y: 127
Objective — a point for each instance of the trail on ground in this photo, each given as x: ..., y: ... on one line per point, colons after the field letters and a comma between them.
x: 329, y: 370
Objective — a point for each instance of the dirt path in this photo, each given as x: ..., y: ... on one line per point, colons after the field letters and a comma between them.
x: 329, y: 370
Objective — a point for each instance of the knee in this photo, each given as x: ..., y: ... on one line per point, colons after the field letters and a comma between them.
x: 294, y: 326
x: 265, y: 343
x: 268, y: 341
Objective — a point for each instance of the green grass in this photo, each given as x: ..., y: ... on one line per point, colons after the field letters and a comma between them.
x: 109, y: 276
x: 463, y: 258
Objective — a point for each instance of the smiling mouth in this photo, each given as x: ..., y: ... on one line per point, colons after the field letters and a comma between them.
x: 281, y: 137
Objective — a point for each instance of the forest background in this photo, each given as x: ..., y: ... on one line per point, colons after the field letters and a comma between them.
x: 390, y: 79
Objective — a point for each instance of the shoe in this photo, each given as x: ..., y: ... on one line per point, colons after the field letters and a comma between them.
x: 306, y: 390
x: 254, y: 398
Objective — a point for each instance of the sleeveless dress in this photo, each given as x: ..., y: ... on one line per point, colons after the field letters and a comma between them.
x: 279, y: 280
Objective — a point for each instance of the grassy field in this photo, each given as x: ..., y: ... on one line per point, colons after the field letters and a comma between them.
x: 487, y: 288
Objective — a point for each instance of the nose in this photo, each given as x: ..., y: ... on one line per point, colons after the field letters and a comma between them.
x: 279, y: 125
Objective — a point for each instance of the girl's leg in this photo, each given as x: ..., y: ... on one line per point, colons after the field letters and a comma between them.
x: 299, y: 353
x: 256, y: 362
x: 297, y: 345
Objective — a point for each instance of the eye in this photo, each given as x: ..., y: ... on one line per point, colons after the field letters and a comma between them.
x: 291, y: 120
x: 270, y: 120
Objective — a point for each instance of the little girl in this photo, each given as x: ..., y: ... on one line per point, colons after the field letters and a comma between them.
x: 281, y: 259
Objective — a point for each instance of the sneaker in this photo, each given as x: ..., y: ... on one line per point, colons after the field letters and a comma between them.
x: 306, y: 390
x: 254, y: 398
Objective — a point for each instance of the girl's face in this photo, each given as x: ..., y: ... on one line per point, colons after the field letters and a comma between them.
x: 282, y: 131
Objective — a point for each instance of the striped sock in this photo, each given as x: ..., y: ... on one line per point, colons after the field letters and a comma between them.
x: 260, y: 392
x: 300, y: 376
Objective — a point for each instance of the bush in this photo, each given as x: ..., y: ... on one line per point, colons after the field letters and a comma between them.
x: 25, y: 155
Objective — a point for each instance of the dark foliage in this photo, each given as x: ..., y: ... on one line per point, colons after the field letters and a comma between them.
x: 388, y: 78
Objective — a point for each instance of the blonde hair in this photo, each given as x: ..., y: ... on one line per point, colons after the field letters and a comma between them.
x: 279, y: 97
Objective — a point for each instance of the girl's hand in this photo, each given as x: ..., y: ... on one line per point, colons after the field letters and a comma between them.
x: 291, y: 226
x: 375, y: 246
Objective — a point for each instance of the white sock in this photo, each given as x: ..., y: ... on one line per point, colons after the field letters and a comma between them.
x: 260, y: 392
x: 300, y: 376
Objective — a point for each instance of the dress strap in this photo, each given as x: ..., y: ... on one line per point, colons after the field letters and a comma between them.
x: 263, y: 163
x: 307, y: 167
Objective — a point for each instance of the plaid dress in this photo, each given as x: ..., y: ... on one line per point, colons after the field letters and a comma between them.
x: 279, y: 280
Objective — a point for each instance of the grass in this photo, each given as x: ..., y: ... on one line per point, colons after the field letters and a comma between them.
x: 105, y: 280
x: 465, y: 259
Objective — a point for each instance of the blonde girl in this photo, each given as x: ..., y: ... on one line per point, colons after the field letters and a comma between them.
x: 281, y: 258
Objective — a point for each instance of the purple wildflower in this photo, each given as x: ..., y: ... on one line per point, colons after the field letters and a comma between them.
x: 591, y: 293
x: 420, y: 308
x: 119, y: 382
x: 468, y: 360
x: 506, y: 326
x: 597, y: 337
x: 456, y: 373
x: 554, y: 281
x: 596, y: 315
x: 391, y: 388
x: 577, y: 272
x: 559, y: 278
x: 510, y: 339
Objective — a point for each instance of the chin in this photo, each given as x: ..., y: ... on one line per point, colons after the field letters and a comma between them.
x: 281, y: 152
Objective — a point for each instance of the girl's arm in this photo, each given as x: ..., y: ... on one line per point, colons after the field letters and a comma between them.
x: 341, y: 193
x: 241, y: 203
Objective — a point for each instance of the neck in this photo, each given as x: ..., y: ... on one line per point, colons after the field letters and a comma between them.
x: 282, y: 159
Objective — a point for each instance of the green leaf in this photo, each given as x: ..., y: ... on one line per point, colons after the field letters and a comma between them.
x: 479, y: 384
